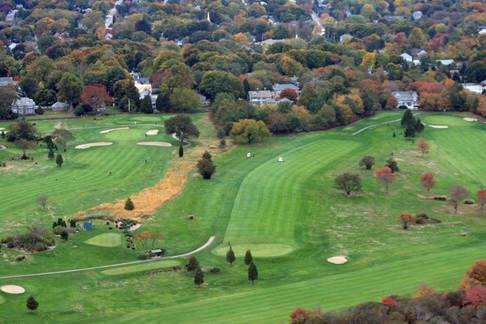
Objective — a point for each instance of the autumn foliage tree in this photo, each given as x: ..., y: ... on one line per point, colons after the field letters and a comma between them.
x: 423, y: 146
x: 482, y: 198
x: 95, y: 96
x: 288, y: 93
x: 386, y: 176
x: 476, y: 275
x: 475, y: 296
x: 427, y: 180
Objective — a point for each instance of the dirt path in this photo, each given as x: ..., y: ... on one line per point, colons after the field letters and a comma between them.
x: 202, y: 247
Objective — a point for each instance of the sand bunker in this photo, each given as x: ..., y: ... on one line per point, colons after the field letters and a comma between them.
x: 113, y: 130
x: 2, y: 129
x: 439, y: 126
x: 158, y: 144
x: 152, y: 132
x: 470, y: 119
x: 89, y: 145
x: 12, y: 289
x: 2, y: 147
x: 340, y: 259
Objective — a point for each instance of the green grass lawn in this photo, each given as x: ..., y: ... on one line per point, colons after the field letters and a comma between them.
x: 88, y: 177
x: 105, y: 240
x: 289, y: 214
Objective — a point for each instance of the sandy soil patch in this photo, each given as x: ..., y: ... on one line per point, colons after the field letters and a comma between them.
x: 439, y: 126
x: 2, y: 147
x: 152, y: 132
x: 339, y: 259
x: 468, y: 119
x: 12, y: 289
x: 114, y: 130
x: 89, y: 145
x: 157, y: 144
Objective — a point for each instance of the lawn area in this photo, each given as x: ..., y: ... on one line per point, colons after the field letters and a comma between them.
x: 165, y: 264
x: 88, y: 177
x: 289, y: 215
x: 105, y: 240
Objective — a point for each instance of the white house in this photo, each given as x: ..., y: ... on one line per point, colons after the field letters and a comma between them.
x: 407, y: 99
x: 262, y: 97
x: 474, y: 87
x: 24, y: 106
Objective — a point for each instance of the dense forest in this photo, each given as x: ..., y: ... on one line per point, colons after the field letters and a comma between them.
x: 342, y: 60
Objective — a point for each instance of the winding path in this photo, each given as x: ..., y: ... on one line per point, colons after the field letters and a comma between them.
x: 376, y: 125
x: 202, y: 247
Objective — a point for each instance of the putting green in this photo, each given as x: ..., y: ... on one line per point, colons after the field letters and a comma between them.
x: 141, y: 267
x: 257, y: 250
x: 105, y: 240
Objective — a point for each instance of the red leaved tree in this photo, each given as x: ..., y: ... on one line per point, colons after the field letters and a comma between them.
x: 427, y: 180
x: 475, y: 296
x: 288, y: 93
x: 386, y: 176
x: 298, y: 315
x: 482, y: 198
x: 389, y: 300
x: 95, y: 96
x: 423, y: 146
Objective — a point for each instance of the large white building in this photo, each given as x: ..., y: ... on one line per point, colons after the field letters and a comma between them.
x: 407, y: 99
x: 24, y: 106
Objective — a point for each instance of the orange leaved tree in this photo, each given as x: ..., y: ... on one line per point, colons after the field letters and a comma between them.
x: 386, y: 176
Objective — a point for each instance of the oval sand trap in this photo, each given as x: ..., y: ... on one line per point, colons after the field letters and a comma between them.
x: 89, y: 145
x: 152, y: 132
x: 113, y: 130
x: 339, y: 259
x: 2, y: 147
x: 468, y: 119
x: 158, y: 144
x: 12, y: 289
x: 439, y: 126
x: 257, y: 250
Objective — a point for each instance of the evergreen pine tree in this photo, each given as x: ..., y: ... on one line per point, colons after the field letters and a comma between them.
x: 181, y: 150
x: 248, y: 257
x: 193, y: 264
x: 59, y: 160
x: 410, y: 131
x: 50, y: 154
x: 230, y: 256
x: 146, y: 105
x: 419, y: 126
x: 199, y: 277
x: 32, y: 304
x: 129, y: 204
x: 407, y: 118
x: 252, y: 272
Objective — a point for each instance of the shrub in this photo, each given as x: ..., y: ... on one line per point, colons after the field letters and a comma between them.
x: 32, y: 304
x: 36, y: 239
